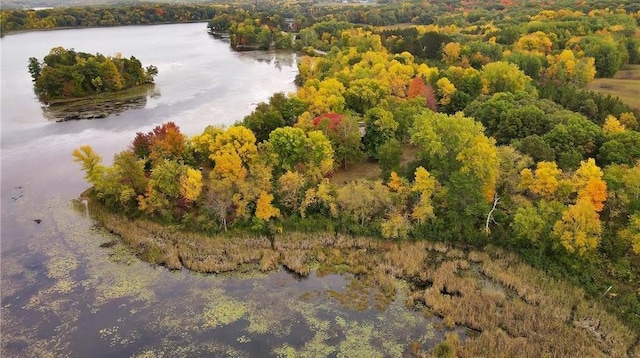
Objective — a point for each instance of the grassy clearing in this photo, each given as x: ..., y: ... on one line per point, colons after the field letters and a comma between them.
x: 514, y: 309
x: 369, y: 169
x: 409, y: 154
x: 364, y: 170
x: 404, y: 25
x: 624, y: 85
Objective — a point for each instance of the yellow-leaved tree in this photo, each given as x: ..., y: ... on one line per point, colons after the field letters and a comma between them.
x: 264, y: 207
x: 396, y: 226
x: 589, y: 184
x: 451, y: 53
x: 612, y: 125
x: 445, y: 90
x: 537, y: 42
x: 580, y: 228
x: 290, y: 189
x: 424, y: 184
x: 544, y: 181
x: 567, y: 68
x: 191, y: 184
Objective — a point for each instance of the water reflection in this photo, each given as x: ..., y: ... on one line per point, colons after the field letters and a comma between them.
x: 279, y: 62
x: 101, y: 107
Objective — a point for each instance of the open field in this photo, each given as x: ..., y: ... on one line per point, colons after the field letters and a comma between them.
x: 403, y: 25
x: 624, y: 85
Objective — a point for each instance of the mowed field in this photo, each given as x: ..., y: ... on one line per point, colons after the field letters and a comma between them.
x: 625, y: 85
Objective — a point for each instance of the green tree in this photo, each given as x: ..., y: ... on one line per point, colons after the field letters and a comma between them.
x: 380, y: 127
x: 530, y: 64
x: 389, y: 155
x: 263, y: 120
x: 620, y: 148
x: 608, y: 55
x: 535, y: 147
x: 464, y: 161
x: 503, y: 77
x: 163, y: 188
x: 290, y: 146
x: 34, y: 68
x: 343, y: 131
x: 364, y: 94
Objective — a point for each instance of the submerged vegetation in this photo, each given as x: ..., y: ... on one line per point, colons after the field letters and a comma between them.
x: 497, y: 298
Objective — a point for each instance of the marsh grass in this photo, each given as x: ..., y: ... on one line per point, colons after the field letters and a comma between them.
x: 541, y: 316
x: 514, y: 309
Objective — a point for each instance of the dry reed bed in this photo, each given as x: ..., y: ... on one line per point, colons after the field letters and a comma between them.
x: 561, y: 301
x: 517, y: 309
x: 543, y: 317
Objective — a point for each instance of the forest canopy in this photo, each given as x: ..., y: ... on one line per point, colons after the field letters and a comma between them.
x: 65, y: 74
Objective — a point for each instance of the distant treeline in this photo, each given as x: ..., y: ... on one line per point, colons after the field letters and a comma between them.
x: 70, y: 74
x: 303, y: 13
x: 21, y: 20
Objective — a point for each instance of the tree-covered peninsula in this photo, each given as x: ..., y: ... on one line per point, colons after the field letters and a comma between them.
x: 468, y: 132
x: 65, y: 74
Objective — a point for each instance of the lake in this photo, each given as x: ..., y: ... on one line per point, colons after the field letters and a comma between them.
x: 64, y: 295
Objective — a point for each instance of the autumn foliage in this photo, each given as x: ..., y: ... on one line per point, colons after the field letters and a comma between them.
x: 473, y: 150
x: 419, y: 88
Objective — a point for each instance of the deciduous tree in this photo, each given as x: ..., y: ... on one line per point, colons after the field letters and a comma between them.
x: 579, y: 229
x: 191, y: 184
x: 264, y: 208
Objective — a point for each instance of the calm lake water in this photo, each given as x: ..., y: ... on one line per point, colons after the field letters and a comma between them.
x: 64, y: 295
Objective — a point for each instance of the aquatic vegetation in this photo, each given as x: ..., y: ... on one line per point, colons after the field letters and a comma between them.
x: 444, y: 300
x: 317, y: 346
x: 223, y: 311
x: 285, y: 351
x: 116, y: 338
x: 358, y: 340
x: 61, y: 267
x: 263, y: 321
x: 15, y: 276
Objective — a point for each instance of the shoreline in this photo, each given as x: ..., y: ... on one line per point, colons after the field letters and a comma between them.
x: 145, y: 87
x: 17, y: 32
x: 463, y: 286
x: 97, y: 106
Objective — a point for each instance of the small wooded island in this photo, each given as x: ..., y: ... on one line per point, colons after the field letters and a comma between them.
x: 67, y: 75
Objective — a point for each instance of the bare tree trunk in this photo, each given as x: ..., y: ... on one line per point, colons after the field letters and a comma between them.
x: 496, y: 199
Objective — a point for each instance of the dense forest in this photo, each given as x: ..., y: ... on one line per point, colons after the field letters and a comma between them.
x: 66, y: 74
x: 475, y: 118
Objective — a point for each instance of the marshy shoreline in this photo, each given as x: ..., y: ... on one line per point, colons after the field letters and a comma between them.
x: 493, y: 294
